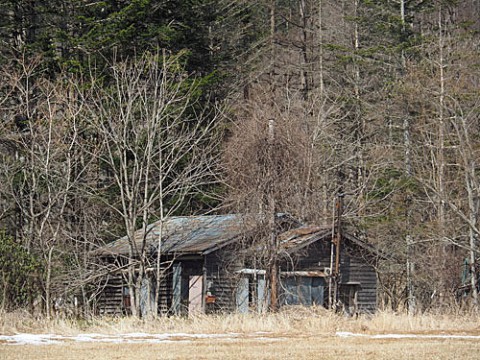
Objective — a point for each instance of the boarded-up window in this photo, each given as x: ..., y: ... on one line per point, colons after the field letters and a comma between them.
x: 318, y: 290
x: 303, y: 290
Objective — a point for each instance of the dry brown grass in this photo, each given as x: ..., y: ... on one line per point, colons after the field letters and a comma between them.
x: 312, y: 347
x: 293, y: 334
x: 289, y: 321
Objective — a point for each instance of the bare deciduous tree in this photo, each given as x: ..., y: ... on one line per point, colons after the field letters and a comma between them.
x: 157, y: 144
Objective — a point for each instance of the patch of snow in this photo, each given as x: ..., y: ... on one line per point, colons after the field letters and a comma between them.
x: 348, y: 334
x: 135, y: 335
x: 128, y: 338
x: 30, y: 339
x: 270, y: 338
x: 408, y: 336
x: 94, y: 338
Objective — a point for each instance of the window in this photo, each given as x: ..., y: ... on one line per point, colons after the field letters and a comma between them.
x: 303, y: 290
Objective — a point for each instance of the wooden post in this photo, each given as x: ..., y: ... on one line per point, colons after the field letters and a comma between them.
x: 337, y: 241
x: 273, y: 246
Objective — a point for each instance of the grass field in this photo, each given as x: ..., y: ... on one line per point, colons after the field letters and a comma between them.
x: 288, y: 335
x: 310, y: 347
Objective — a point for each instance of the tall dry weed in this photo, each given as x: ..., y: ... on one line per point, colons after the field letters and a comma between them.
x: 293, y: 320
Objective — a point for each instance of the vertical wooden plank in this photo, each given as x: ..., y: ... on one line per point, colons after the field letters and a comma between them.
x: 242, y: 295
x: 262, y: 294
x: 146, y: 297
x: 205, y: 284
x: 177, y: 288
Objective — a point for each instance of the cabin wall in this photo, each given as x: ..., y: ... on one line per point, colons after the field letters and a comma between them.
x: 110, y: 300
x: 221, y: 281
x: 211, y: 275
x: 315, y: 257
x: 177, y: 285
x: 356, y: 270
x: 164, y: 306
x: 305, y: 290
x: 353, y: 269
x: 113, y: 297
x: 218, y: 283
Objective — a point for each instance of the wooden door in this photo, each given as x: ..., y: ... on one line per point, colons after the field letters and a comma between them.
x: 195, y: 294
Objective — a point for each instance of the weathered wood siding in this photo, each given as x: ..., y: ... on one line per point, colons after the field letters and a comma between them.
x: 356, y: 270
x: 110, y: 299
x: 315, y: 257
x: 353, y: 269
x: 221, y: 281
x: 165, y: 296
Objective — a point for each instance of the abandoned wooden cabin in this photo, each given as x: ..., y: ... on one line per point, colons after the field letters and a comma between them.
x: 310, y: 273
x: 207, y: 267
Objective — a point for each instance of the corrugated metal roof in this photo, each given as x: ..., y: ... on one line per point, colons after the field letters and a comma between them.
x: 185, y: 234
x: 204, y: 234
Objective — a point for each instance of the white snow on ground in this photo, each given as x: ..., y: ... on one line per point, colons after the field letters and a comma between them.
x: 29, y: 339
x: 145, y: 338
x: 408, y: 336
x: 130, y: 338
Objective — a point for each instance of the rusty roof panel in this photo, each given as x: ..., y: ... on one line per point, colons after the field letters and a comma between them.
x: 301, y: 236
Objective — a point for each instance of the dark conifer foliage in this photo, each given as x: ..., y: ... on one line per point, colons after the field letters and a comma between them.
x: 376, y: 99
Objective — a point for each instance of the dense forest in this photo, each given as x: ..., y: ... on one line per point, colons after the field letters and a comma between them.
x: 118, y: 113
